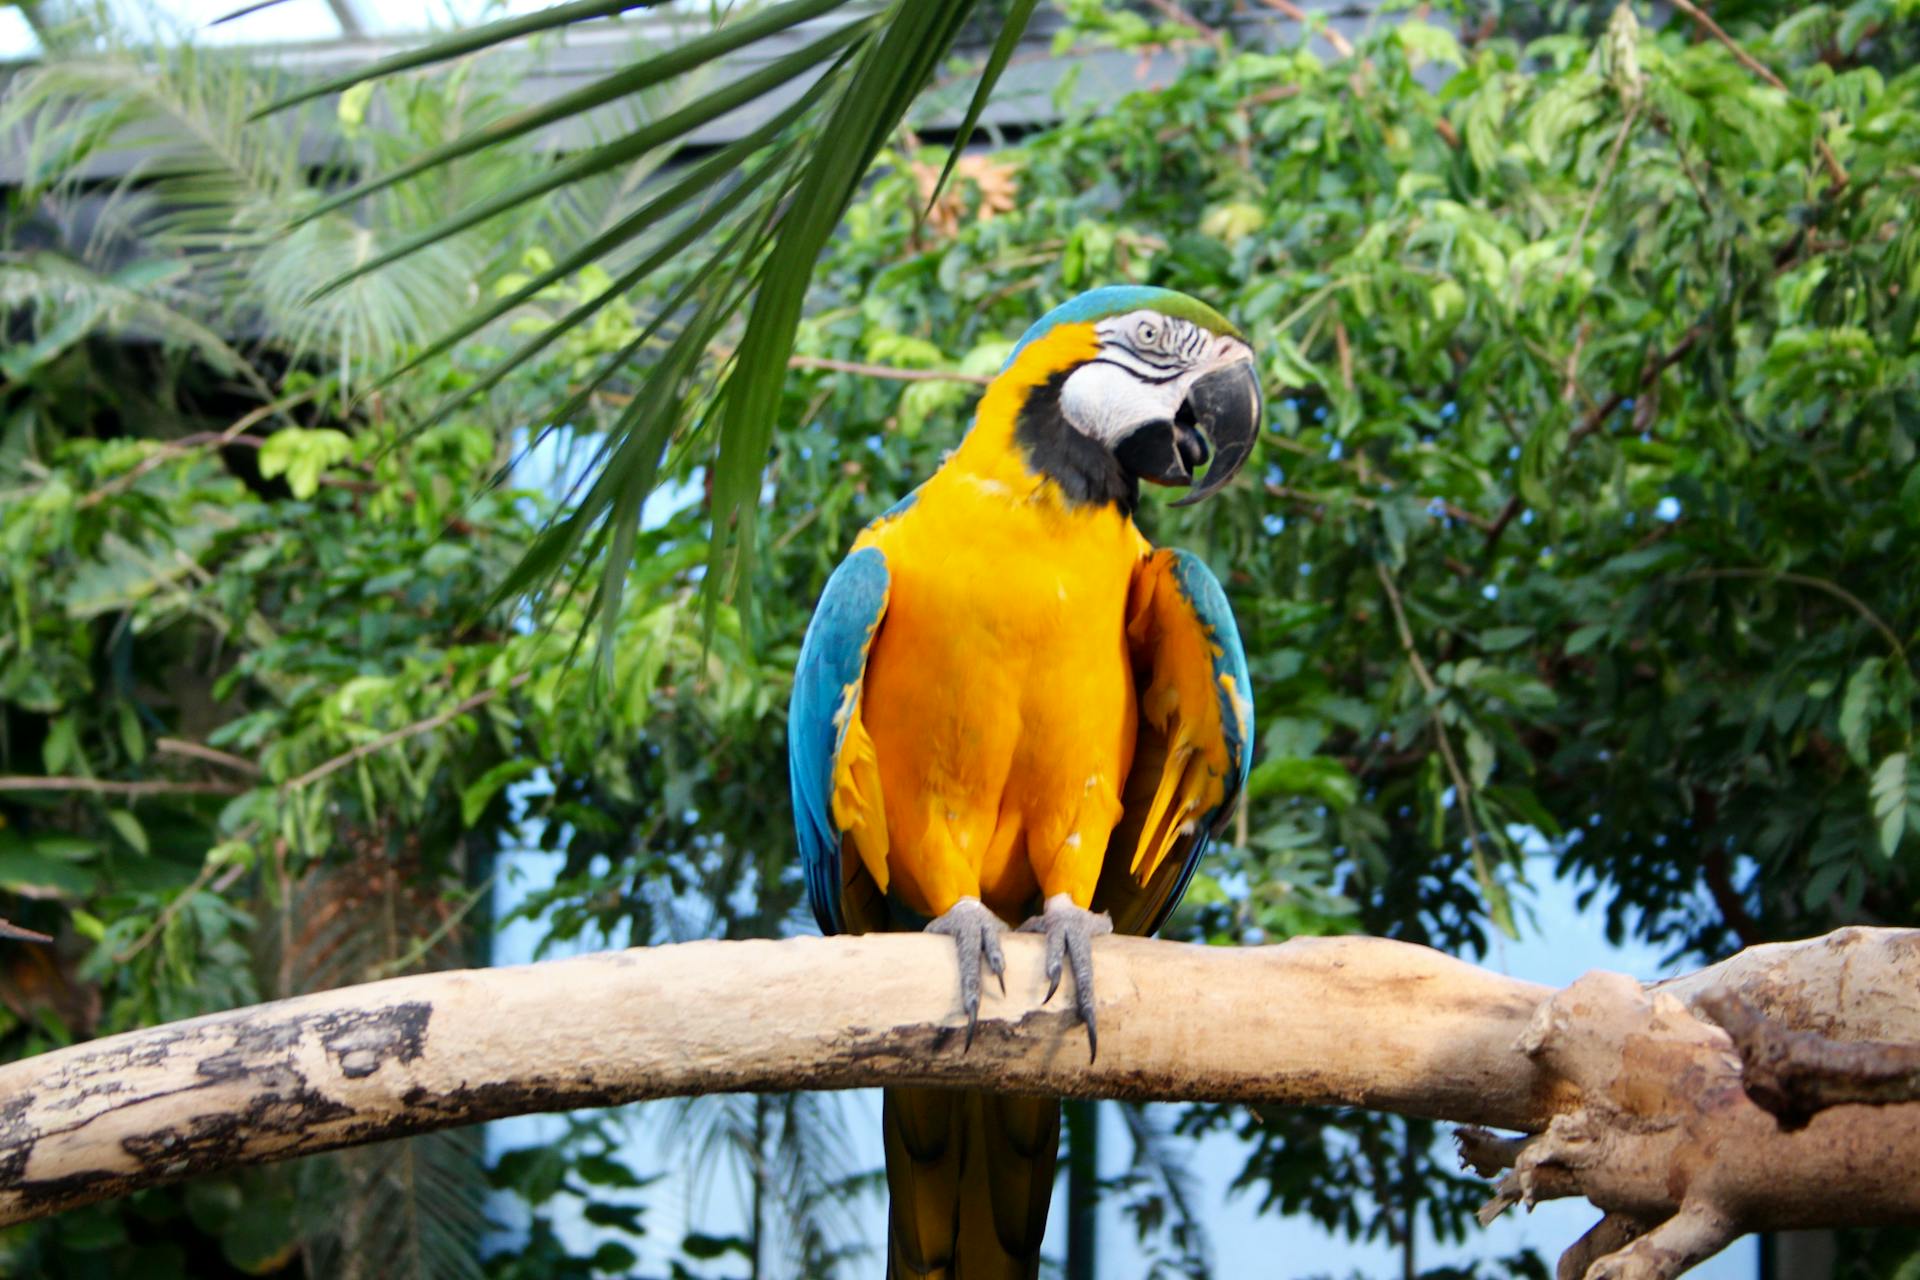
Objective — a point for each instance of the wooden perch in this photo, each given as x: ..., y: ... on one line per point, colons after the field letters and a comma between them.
x: 1634, y: 1102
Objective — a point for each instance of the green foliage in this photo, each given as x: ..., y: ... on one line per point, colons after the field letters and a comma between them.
x: 1605, y: 385
x: 251, y: 642
x: 866, y: 69
x: 1575, y: 547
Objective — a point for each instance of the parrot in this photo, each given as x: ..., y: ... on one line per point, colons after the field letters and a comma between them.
x: 1011, y: 710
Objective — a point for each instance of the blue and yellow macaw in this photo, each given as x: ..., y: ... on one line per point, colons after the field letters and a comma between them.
x: 1010, y: 707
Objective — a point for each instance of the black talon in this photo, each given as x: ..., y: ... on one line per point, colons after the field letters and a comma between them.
x: 1070, y: 932
x: 975, y: 931
x: 1082, y: 961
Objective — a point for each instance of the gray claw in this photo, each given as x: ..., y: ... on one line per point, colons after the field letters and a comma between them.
x: 975, y: 931
x: 1070, y: 933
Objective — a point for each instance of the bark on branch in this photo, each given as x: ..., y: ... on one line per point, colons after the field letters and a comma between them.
x: 1793, y: 1074
x: 1633, y: 1101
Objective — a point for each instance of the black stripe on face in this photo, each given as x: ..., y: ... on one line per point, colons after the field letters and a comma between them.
x: 1086, y: 471
x: 1153, y: 360
x: 1135, y: 373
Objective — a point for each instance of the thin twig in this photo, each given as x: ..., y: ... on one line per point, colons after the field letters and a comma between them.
x: 401, y: 734
x: 887, y: 371
x: 424, y: 947
x: 111, y: 787
x: 167, y: 913
x: 1461, y: 788
x: 1759, y: 68
x: 20, y: 933
x: 1831, y: 588
x: 1311, y: 498
x: 1606, y: 179
x: 1356, y: 463
x: 1686, y: 165
x: 212, y: 755
x: 192, y: 444
x: 1597, y: 418
x: 1341, y: 45
x: 1571, y: 387
x: 1187, y: 20
x: 1272, y: 94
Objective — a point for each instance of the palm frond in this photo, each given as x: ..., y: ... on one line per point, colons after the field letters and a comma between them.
x: 785, y: 1153
x: 833, y: 103
x: 210, y: 194
x: 413, y: 1209
x: 475, y: 40
x: 195, y: 177
x: 67, y: 301
x: 407, y: 1210
x: 688, y: 57
x: 1161, y: 1176
x: 1019, y: 13
x: 726, y: 163
x: 623, y: 150
x: 357, y: 327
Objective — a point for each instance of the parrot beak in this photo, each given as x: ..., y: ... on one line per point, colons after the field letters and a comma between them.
x: 1225, y: 406
x: 1220, y: 419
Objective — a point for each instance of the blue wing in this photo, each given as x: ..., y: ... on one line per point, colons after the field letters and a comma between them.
x: 1192, y: 755
x: 826, y: 691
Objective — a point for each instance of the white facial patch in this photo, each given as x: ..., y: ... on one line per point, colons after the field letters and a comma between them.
x: 1108, y: 403
x: 1147, y: 364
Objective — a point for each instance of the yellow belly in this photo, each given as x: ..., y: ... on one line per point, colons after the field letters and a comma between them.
x: 999, y: 696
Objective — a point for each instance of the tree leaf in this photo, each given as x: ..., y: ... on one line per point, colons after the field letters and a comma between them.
x: 1858, y: 707
x: 476, y: 795
x: 123, y: 821
x: 1584, y: 638
x: 1890, y: 800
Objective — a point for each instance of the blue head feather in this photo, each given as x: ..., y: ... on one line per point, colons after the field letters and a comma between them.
x: 1116, y: 300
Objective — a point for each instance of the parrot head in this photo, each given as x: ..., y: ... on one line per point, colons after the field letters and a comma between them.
x: 1157, y: 381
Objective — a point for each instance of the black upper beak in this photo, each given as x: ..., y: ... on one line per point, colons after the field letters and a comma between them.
x: 1226, y: 406
x: 1221, y: 416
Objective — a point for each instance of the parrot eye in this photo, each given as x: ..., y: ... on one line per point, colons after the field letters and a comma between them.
x: 1148, y: 334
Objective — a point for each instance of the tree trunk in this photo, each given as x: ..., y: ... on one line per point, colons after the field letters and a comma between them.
x: 1083, y: 1192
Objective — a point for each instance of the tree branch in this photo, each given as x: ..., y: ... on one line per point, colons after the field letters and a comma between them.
x: 404, y: 732
x: 1795, y: 1074
x: 113, y: 787
x: 199, y: 442
x: 431, y: 1051
x: 1597, y: 418
x: 212, y: 755
x: 1719, y: 880
x: 1341, y: 45
x: 1669, y: 1146
x: 1759, y: 68
x: 1462, y: 788
x: 1631, y: 1100
x: 886, y: 371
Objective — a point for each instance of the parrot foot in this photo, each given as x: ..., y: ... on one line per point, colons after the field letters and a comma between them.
x: 1070, y: 933
x: 975, y: 931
